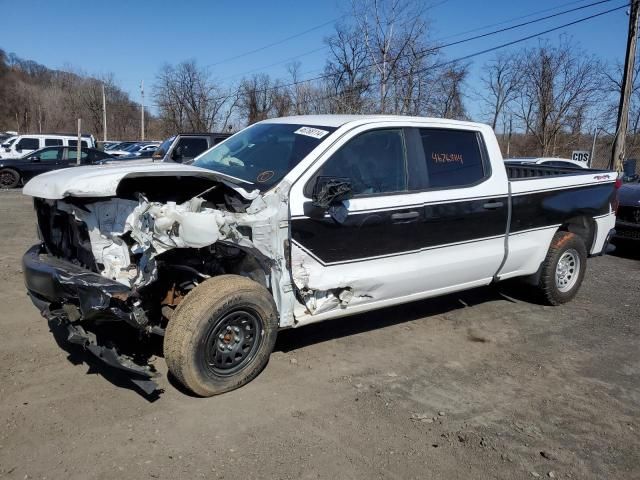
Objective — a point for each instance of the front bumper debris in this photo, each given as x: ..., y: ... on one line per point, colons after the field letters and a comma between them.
x: 74, y: 297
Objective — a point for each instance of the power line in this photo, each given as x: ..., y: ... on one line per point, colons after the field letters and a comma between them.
x: 450, y: 36
x: 279, y: 42
x: 425, y: 51
x: 489, y: 50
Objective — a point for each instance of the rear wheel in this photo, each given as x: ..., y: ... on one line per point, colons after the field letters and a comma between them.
x: 221, y: 335
x: 9, y: 178
x: 563, y: 269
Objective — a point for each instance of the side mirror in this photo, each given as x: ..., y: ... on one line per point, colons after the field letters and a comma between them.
x: 18, y: 149
x: 330, y: 191
x: 158, y: 154
x: 34, y: 159
x: 328, y: 195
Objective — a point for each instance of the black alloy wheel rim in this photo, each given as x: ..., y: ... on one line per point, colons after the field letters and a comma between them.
x: 233, y: 342
x: 7, y: 179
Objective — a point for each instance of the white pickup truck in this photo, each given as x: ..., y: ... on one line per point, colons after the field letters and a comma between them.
x: 297, y: 220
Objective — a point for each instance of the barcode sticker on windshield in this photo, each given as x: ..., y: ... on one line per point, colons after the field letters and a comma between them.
x: 311, y: 132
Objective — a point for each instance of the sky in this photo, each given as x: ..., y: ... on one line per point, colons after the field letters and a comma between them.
x: 133, y: 39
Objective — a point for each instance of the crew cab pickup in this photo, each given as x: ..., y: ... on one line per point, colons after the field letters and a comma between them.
x: 297, y: 220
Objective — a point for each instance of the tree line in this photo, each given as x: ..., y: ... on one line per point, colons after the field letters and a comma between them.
x: 380, y: 59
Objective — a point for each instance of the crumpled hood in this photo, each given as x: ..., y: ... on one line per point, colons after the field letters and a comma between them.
x: 629, y: 194
x: 103, y: 180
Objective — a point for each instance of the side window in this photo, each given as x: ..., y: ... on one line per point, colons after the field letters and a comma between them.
x: 28, y: 144
x: 52, y: 142
x: 72, y: 155
x: 50, y: 155
x: 189, y: 148
x: 373, y: 161
x: 453, y: 157
x: 74, y: 143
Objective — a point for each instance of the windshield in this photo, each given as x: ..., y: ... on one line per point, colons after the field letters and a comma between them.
x: 9, y: 141
x: 263, y: 153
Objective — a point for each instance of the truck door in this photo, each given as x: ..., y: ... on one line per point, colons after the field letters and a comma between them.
x: 426, y: 217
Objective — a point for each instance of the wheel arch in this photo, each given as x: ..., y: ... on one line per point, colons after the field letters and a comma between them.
x: 583, y: 226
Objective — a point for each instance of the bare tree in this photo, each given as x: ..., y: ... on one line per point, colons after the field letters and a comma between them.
x: 560, y: 83
x: 256, y: 100
x: 389, y: 28
x: 501, y: 80
x: 346, y: 70
x: 188, y: 98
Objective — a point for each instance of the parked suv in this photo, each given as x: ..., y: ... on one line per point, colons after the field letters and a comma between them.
x: 25, y: 144
x: 184, y: 147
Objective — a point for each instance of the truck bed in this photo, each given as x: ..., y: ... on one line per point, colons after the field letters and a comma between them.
x: 524, y: 171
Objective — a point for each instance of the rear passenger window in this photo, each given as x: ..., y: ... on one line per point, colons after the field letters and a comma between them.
x: 52, y: 142
x: 374, y: 162
x: 74, y: 143
x: 453, y: 157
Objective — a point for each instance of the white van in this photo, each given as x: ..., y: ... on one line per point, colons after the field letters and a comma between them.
x: 23, y: 144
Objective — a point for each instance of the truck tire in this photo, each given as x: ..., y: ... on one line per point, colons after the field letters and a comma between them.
x: 563, y: 269
x: 221, y: 335
x: 9, y: 178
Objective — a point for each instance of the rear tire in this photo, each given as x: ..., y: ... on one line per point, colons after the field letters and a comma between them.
x: 221, y: 335
x: 563, y: 269
x: 9, y: 178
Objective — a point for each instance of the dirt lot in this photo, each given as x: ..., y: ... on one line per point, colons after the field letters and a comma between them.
x: 486, y: 384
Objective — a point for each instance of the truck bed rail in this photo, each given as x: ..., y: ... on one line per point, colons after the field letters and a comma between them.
x: 526, y: 171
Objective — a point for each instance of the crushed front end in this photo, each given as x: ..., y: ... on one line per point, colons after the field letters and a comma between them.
x: 112, y: 270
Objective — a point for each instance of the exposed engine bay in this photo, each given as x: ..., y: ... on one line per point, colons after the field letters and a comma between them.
x: 159, y: 240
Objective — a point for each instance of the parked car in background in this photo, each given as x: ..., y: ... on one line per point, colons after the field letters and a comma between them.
x: 24, y: 144
x: 120, y: 145
x: 628, y: 215
x: 102, y: 145
x: 187, y: 146
x: 16, y: 171
x: 294, y: 221
x: 4, y: 136
x: 547, y: 161
x: 133, y: 150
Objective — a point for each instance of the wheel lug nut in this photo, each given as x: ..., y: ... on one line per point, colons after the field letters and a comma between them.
x: 221, y: 336
x: 228, y: 328
x: 236, y: 329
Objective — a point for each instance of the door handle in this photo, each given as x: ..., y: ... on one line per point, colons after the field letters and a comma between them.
x: 403, y: 217
x: 493, y: 205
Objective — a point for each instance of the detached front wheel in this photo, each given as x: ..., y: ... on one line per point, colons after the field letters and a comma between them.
x: 563, y: 269
x: 221, y: 335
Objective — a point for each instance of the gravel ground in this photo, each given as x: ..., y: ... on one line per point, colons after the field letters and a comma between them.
x: 483, y: 384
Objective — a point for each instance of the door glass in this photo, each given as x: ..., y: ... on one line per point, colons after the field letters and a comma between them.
x: 374, y: 162
x: 52, y: 142
x: 453, y: 157
x: 72, y: 155
x: 28, y: 144
x: 190, y: 148
x: 50, y: 155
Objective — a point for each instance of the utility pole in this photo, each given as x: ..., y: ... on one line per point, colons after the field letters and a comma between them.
x: 617, y: 153
x: 104, y: 115
x: 79, y: 147
x: 593, y: 146
x: 142, y: 107
x: 509, y: 136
